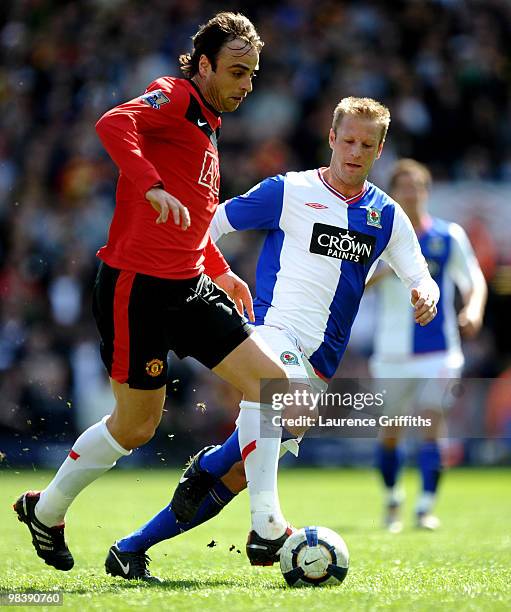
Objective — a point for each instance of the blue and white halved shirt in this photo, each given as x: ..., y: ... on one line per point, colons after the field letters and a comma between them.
x: 320, y: 250
x: 451, y: 262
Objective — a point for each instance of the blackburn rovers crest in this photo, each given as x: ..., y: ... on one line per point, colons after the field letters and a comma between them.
x: 373, y: 217
x: 289, y: 358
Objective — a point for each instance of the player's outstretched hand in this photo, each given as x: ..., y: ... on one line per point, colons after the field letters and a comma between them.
x: 424, y: 308
x: 238, y: 291
x: 165, y: 204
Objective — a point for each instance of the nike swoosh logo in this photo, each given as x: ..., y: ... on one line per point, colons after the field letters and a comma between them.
x: 125, y: 568
x: 311, y: 562
x: 183, y: 479
x: 201, y: 123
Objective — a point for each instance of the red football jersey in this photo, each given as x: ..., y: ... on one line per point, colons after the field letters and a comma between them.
x: 169, y: 136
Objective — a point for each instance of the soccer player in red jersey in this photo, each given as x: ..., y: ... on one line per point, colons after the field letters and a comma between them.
x: 154, y: 292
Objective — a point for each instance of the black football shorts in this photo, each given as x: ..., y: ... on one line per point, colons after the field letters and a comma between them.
x: 141, y: 318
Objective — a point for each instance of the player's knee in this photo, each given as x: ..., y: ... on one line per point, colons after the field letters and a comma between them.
x: 136, y: 416
x: 390, y: 443
x: 145, y: 434
x: 296, y: 430
x: 303, y: 412
x: 235, y: 479
x: 138, y: 435
x: 298, y: 419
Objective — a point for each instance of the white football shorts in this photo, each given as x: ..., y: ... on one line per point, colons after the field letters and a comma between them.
x: 286, y: 347
x: 422, y: 382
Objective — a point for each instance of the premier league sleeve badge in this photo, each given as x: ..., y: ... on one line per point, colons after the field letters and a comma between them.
x: 155, y: 98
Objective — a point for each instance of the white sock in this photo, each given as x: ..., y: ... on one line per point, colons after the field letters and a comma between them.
x: 260, y: 456
x: 394, y: 496
x: 93, y: 454
x: 425, y: 502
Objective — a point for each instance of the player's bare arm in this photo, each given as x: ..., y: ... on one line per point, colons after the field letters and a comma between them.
x: 470, y: 317
x: 164, y: 203
x: 470, y: 321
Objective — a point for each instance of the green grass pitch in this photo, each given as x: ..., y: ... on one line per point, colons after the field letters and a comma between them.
x: 464, y: 566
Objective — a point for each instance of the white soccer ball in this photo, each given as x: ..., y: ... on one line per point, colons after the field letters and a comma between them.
x: 314, y: 556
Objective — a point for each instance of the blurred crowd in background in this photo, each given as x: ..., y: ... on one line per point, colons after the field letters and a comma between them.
x: 443, y: 68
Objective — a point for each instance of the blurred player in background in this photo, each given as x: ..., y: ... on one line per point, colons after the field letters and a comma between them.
x: 154, y: 293
x: 404, y: 350
x: 327, y: 229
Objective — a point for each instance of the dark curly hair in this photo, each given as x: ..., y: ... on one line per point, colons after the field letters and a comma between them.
x: 213, y: 35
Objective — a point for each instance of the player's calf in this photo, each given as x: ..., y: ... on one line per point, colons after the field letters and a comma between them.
x: 235, y: 479
x: 392, y: 518
x: 193, y: 486
x: 206, y: 468
x: 136, y: 416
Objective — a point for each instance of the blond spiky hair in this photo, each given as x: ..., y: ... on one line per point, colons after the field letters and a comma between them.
x: 362, y: 107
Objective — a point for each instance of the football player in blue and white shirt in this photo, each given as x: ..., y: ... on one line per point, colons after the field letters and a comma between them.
x: 404, y: 350
x: 326, y: 230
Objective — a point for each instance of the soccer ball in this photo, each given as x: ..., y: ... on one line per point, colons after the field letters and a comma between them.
x: 314, y: 556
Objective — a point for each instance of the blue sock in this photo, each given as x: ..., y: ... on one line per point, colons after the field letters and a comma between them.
x: 164, y: 525
x: 219, y: 460
x: 390, y: 462
x: 430, y: 466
